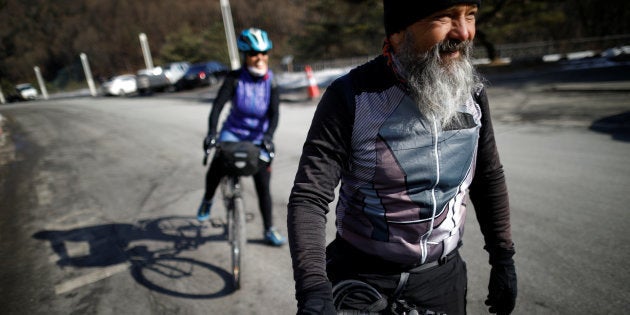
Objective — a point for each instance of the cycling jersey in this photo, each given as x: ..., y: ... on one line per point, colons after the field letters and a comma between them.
x: 404, y: 177
x: 254, y: 110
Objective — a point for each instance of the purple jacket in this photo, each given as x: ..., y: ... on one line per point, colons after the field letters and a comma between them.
x: 254, y: 110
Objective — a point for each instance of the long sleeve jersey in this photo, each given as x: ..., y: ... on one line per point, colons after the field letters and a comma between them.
x: 255, y: 105
x: 404, y: 178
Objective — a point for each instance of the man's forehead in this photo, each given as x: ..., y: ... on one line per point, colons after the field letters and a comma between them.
x: 456, y: 8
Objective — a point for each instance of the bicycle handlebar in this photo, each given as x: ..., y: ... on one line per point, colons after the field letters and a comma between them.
x: 268, y: 147
x: 206, y: 153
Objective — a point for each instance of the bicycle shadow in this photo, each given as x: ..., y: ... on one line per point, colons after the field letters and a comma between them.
x: 160, y: 270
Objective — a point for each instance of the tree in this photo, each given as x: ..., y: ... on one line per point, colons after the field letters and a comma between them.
x: 489, y: 12
x: 334, y: 29
x: 187, y: 45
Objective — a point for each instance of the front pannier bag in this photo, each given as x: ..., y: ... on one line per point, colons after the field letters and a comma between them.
x: 239, y: 158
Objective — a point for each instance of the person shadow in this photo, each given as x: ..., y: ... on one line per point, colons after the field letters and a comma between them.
x: 618, y: 126
x: 158, y: 269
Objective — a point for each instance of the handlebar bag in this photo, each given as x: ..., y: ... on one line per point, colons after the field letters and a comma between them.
x: 239, y: 158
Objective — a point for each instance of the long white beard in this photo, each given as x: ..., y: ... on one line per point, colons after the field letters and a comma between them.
x: 439, y: 87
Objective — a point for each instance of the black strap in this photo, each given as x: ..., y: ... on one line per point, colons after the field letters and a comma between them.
x: 436, y: 263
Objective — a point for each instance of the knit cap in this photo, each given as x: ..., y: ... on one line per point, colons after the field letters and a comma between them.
x: 398, y: 14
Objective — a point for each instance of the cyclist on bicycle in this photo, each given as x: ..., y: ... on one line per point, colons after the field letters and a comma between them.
x: 408, y: 135
x: 253, y: 117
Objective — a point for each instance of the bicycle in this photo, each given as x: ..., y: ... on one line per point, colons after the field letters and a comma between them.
x: 354, y: 297
x: 239, y: 159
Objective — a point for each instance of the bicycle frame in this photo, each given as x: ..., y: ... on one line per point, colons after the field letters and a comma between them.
x: 235, y: 212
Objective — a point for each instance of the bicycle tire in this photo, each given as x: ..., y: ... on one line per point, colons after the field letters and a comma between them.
x: 238, y: 239
x: 180, y: 277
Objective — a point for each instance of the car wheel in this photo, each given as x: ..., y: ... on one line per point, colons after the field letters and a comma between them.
x: 171, y: 88
x: 213, y: 80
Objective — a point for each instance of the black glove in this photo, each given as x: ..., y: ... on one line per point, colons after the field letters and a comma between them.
x: 316, y: 301
x: 269, y: 146
x: 316, y: 306
x: 209, y: 142
x: 502, y: 288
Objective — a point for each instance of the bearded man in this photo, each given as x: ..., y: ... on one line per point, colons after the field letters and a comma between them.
x: 409, y: 137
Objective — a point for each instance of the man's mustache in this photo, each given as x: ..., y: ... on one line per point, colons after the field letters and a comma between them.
x: 451, y: 46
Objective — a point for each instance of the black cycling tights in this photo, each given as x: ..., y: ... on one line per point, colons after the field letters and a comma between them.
x: 262, y: 181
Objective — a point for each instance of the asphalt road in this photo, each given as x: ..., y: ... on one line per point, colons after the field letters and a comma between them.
x: 99, y: 194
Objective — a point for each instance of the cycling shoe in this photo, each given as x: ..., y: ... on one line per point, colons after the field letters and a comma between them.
x: 273, y: 237
x: 203, y: 213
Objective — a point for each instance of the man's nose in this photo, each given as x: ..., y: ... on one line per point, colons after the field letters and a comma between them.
x: 462, y: 29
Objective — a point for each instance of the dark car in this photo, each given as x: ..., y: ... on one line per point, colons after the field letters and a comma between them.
x: 202, y: 74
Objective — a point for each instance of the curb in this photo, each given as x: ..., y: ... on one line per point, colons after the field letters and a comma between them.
x: 7, y: 149
x: 1, y: 129
x: 616, y: 86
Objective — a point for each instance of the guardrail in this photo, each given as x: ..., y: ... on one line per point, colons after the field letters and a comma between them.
x: 512, y: 51
x: 562, y: 47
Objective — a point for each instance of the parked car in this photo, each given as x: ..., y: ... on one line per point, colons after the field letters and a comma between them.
x: 162, y: 78
x: 121, y: 85
x: 26, y: 91
x: 152, y: 80
x: 202, y: 74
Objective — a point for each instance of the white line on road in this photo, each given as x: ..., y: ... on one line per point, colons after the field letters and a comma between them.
x: 90, y: 278
x: 73, y: 249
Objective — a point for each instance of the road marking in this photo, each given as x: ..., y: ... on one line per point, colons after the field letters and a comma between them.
x: 73, y: 249
x: 90, y: 278
x: 81, y: 219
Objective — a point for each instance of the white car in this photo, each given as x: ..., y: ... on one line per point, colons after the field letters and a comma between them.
x: 175, y: 71
x: 121, y: 85
x: 26, y: 91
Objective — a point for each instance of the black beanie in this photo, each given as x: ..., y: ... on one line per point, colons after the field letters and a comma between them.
x: 398, y: 14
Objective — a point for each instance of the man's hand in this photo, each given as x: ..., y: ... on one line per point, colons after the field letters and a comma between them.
x: 316, y: 301
x: 502, y: 289
x: 317, y: 307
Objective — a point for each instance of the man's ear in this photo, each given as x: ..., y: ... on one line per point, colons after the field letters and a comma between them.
x: 396, y: 40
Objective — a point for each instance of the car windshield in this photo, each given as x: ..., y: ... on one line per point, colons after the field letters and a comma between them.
x: 24, y: 87
x: 196, y: 68
x: 215, y: 66
x: 211, y: 66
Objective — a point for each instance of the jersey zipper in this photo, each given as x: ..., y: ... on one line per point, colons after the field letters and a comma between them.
x: 426, y: 236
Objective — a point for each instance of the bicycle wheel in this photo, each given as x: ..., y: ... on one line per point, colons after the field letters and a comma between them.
x: 238, y: 239
x: 181, y: 277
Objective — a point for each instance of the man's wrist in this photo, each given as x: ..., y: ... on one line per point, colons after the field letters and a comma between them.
x: 320, y: 291
x: 500, y: 256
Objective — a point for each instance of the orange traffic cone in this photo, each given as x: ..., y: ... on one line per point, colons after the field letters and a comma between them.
x: 313, y: 89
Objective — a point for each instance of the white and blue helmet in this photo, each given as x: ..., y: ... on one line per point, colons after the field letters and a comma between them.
x: 254, y: 39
